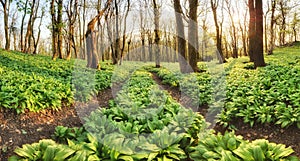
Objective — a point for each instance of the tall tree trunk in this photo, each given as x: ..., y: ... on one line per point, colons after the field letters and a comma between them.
x: 272, y: 22
x: 90, y: 36
x: 259, y: 49
x: 193, y: 35
x: 124, y: 32
x: 150, y: 45
x: 117, y: 35
x: 22, y: 25
x: 36, y: 40
x: 283, y: 22
x: 156, y: 32
x: 251, y: 30
x: 181, y: 42
x: 29, y: 32
x: 214, y: 6
x: 60, y: 29
x: 6, y: 5
x: 54, y: 30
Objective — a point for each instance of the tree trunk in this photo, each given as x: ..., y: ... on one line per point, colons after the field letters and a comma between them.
x: 251, y: 30
x: 90, y: 36
x: 181, y: 42
x: 221, y: 58
x: 54, y: 31
x: 156, y: 32
x: 6, y: 5
x: 272, y: 22
x: 259, y: 48
x: 60, y: 29
x: 193, y: 35
x: 22, y: 26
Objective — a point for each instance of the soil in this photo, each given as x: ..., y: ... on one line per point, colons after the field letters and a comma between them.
x: 27, y: 128
x: 289, y: 136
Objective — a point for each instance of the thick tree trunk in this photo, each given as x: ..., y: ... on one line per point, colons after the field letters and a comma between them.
x: 93, y: 61
x: 181, y: 42
x: 193, y: 35
x: 259, y: 49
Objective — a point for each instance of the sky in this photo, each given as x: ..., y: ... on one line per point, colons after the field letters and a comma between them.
x: 133, y: 18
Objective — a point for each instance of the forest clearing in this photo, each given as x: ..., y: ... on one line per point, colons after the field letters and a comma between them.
x: 156, y: 80
x: 45, y: 86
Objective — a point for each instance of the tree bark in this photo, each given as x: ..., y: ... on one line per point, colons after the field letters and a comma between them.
x: 6, y: 5
x: 251, y: 33
x: 22, y: 25
x: 156, y: 32
x: 193, y: 35
x: 214, y: 6
x: 54, y: 30
x: 181, y: 42
x: 60, y: 29
x: 90, y: 36
x: 259, y: 48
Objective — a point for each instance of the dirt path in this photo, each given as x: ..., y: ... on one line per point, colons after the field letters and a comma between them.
x: 27, y: 128
x: 16, y: 130
x: 289, y: 136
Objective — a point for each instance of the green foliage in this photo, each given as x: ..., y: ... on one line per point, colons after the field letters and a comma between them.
x: 147, y: 124
x: 234, y: 148
x: 34, y: 83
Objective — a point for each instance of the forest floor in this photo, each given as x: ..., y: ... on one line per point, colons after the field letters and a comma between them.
x: 19, y: 129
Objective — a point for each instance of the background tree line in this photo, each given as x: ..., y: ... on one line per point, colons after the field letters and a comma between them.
x: 154, y: 30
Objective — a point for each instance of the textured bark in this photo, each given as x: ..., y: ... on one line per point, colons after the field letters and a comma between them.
x: 6, y: 4
x: 72, y: 11
x: 149, y: 38
x: 60, y: 29
x: 272, y: 24
x: 116, y: 54
x: 156, y: 33
x: 214, y: 6
x: 251, y: 33
x: 193, y: 35
x: 22, y: 25
x: 90, y: 36
x: 181, y: 42
x: 259, y: 49
x: 233, y: 31
x: 54, y: 30
x: 124, y: 32
x: 29, y: 33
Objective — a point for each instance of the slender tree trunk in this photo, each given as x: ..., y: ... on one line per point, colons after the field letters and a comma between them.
x: 124, y: 32
x: 150, y: 45
x: 221, y: 58
x: 6, y: 5
x: 22, y: 26
x: 272, y: 22
x: 60, y: 29
x: 54, y: 31
x: 251, y: 34
x: 156, y: 32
